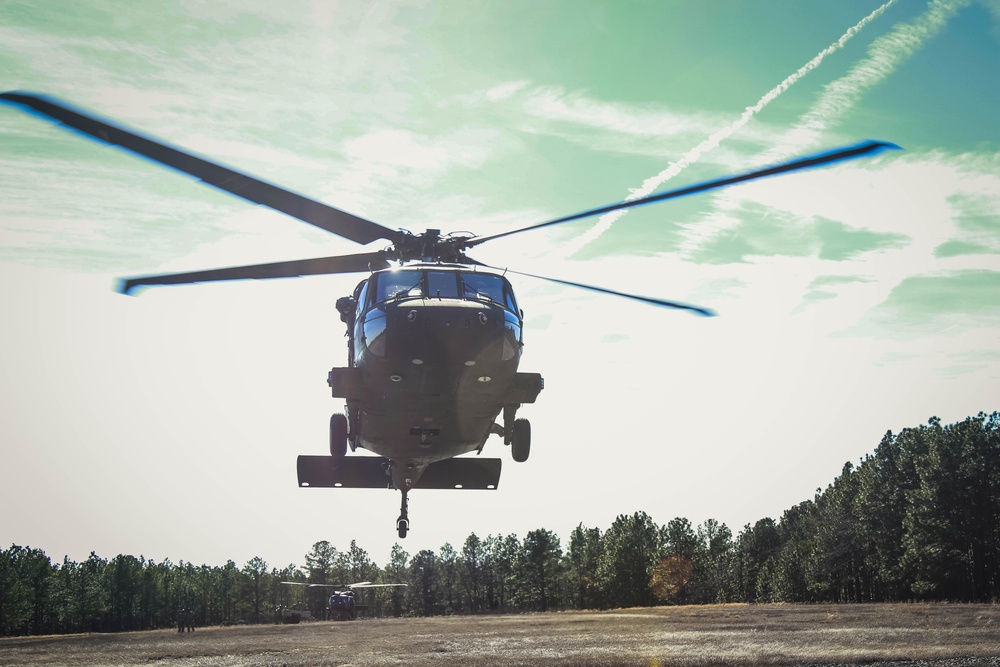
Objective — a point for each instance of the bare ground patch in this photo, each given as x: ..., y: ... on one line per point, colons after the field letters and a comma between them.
x: 957, y: 635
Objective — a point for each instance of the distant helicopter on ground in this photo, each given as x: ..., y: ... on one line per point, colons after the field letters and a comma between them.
x: 433, y: 344
x: 342, y: 605
x: 284, y: 614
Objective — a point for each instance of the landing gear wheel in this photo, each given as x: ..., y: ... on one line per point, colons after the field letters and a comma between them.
x: 520, y: 440
x: 338, y: 437
x: 403, y: 522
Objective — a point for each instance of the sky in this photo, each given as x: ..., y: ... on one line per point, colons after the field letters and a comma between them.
x: 851, y: 300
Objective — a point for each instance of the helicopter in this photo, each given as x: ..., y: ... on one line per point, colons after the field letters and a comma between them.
x: 434, y: 336
x: 342, y: 604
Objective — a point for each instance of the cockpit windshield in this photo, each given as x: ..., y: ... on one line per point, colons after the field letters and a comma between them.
x: 396, y: 284
x: 442, y: 284
x: 433, y: 284
x: 483, y: 286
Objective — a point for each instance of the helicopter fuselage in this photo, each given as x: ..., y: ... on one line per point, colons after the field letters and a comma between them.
x: 433, y: 358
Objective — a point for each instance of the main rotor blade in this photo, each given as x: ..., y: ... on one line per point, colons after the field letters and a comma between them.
x: 297, y: 583
x: 371, y: 261
x: 363, y: 584
x: 229, y: 180
x: 820, y: 159
x: 603, y: 290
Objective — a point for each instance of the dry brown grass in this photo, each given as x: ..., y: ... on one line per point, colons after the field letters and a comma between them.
x: 682, y: 636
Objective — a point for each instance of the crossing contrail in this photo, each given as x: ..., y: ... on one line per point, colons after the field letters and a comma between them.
x: 885, y: 55
x: 650, y: 185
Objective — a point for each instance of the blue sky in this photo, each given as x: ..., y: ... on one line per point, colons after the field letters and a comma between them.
x: 851, y: 300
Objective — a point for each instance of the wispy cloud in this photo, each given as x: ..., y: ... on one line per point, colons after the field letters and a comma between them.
x: 605, y: 126
x: 555, y: 104
x: 933, y: 302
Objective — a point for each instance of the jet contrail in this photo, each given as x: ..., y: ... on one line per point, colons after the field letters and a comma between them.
x: 651, y: 184
x: 885, y: 55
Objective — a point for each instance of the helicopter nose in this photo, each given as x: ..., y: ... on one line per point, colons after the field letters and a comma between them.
x: 457, y: 333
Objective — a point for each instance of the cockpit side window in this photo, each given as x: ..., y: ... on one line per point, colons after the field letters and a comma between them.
x: 508, y: 295
x: 396, y: 284
x: 361, y: 294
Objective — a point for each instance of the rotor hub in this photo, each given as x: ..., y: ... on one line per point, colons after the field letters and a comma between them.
x: 429, y: 246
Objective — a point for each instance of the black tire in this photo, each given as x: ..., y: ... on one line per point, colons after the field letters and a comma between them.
x: 403, y: 526
x: 338, y: 437
x: 520, y: 441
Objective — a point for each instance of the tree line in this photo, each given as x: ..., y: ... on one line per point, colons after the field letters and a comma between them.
x: 919, y: 519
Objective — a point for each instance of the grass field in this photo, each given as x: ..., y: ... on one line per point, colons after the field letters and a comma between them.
x: 702, y: 635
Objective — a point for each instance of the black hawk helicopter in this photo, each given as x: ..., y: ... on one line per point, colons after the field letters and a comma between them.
x: 342, y: 604
x: 433, y: 343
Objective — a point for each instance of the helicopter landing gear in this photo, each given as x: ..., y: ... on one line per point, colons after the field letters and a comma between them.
x: 338, y: 437
x: 516, y: 433
x: 403, y: 522
x: 520, y: 440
